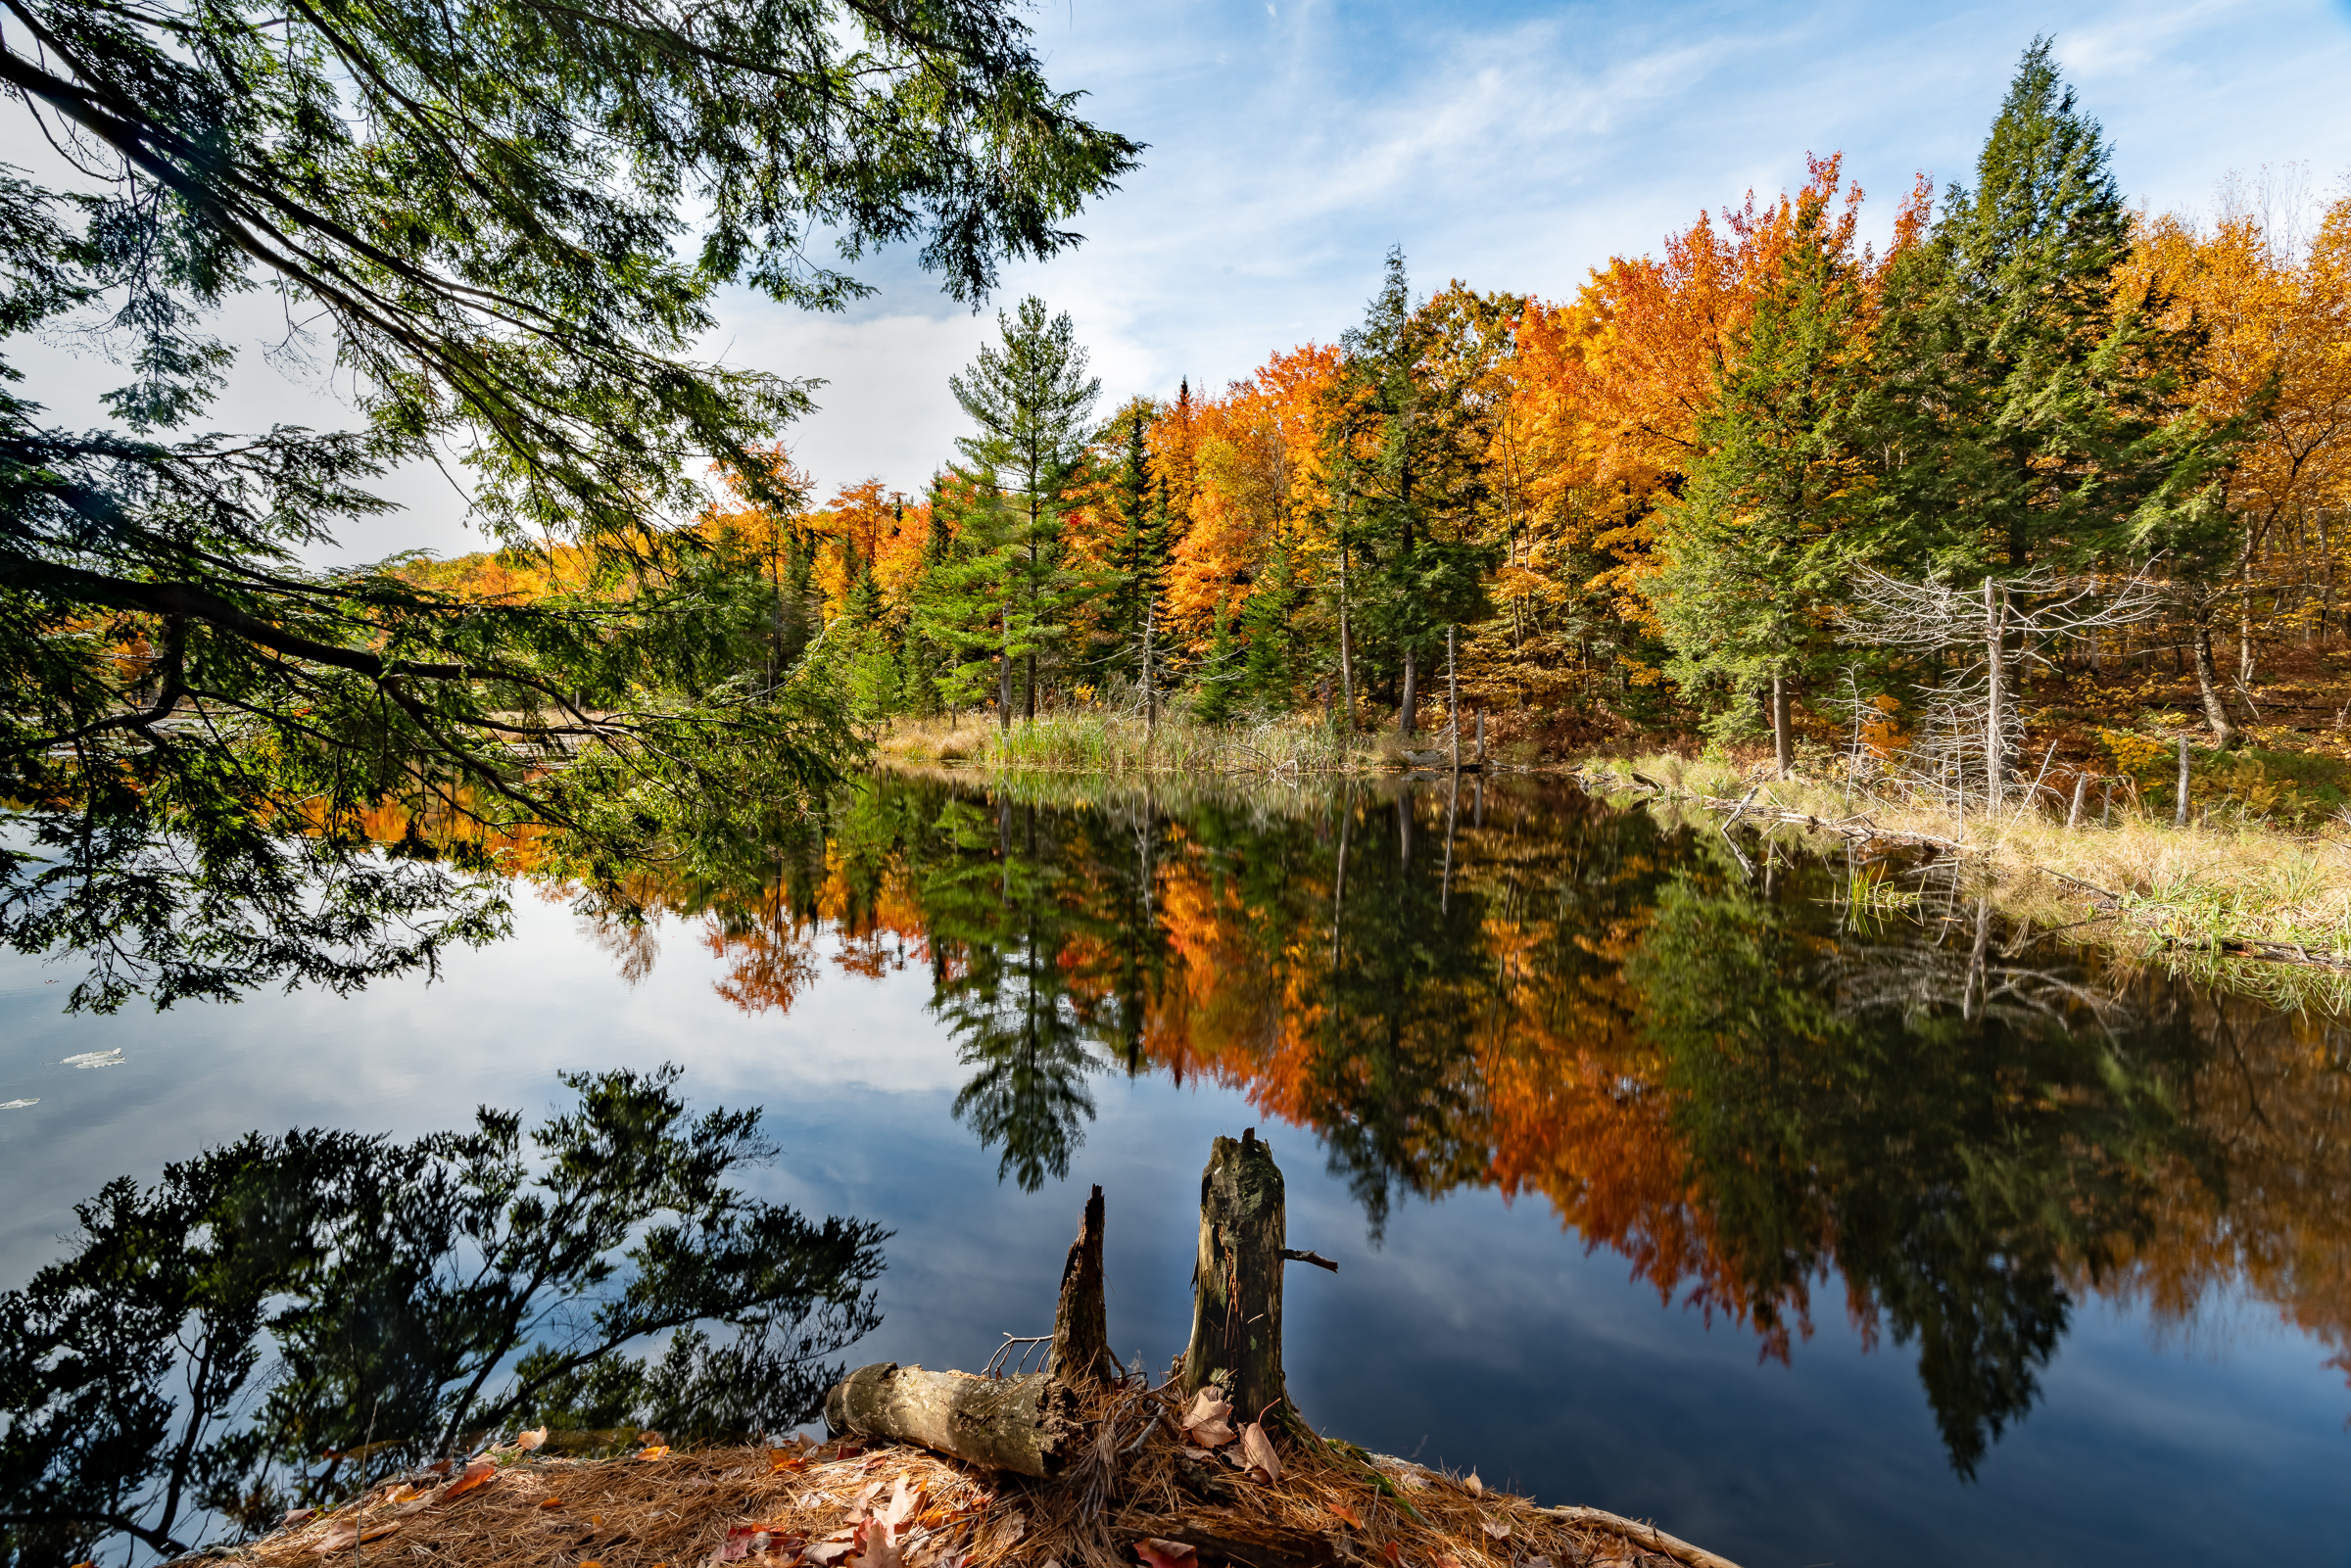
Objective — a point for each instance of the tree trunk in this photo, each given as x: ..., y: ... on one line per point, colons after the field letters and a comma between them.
x: 1150, y: 692
x: 1346, y: 651
x: 1453, y: 708
x: 2180, y: 809
x: 1029, y: 701
x: 1004, y: 676
x: 1236, y: 1295
x: 1408, y: 703
x: 1027, y: 1425
x: 1782, y: 741
x: 1080, y: 1324
x: 1996, y: 657
x: 2208, y: 682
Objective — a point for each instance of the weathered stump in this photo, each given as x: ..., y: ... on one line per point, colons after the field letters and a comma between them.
x: 1028, y: 1425
x: 1237, y: 1282
x: 1080, y: 1320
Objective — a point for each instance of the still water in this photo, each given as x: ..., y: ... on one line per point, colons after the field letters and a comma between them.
x: 1821, y: 1232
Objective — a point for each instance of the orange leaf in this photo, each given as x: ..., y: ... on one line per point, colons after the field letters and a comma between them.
x: 479, y: 1471
x: 658, y: 1451
x: 551, y: 1502
x: 1346, y: 1515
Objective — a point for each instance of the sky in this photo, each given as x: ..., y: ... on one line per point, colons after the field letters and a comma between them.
x: 1510, y: 146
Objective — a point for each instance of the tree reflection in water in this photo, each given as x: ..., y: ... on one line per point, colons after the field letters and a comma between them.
x: 275, y: 1320
x: 1743, y: 1083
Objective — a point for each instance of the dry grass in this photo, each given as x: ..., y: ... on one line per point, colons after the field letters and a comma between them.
x: 803, y: 1504
x: 1104, y: 742
x: 2219, y: 881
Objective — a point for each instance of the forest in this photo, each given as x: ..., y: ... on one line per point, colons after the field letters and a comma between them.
x: 1769, y: 481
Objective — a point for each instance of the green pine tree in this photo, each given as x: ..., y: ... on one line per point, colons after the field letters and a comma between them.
x: 2029, y: 421
x: 1031, y: 399
x: 1753, y: 554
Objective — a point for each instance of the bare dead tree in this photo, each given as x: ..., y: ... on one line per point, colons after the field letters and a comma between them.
x: 2000, y: 619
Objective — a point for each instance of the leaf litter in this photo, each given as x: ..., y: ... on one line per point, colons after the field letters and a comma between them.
x: 1137, y: 1496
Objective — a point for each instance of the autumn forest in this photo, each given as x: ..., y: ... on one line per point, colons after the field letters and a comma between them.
x: 1684, y: 500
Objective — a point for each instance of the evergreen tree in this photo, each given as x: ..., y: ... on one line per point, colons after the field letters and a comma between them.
x: 1752, y: 555
x: 1222, y: 671
x: 1031, y: 399
x: 2030, y: 420
x: 478, y: 208
x: 1408, y: 451
x: 1141, y: 559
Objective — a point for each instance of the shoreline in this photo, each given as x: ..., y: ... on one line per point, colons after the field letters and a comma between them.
x: 2212, y: 897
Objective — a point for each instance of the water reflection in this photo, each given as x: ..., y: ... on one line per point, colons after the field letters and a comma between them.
x: 275, y: 1320
x: 1735, y: 1076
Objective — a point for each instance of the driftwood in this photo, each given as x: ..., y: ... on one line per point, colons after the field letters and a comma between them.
x: 1027, y: 1425
x: 1236, y: 1280
x: 1647, y: 1536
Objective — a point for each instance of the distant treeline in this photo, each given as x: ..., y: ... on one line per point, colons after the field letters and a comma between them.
x: 1654, y: 504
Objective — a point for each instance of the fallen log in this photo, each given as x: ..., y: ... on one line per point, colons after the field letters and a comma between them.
x: 1647, y: 1536
x: 1027, y: 1425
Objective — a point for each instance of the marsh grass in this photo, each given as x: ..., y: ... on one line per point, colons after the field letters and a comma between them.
x: 2232, y: 877
x: 1113, y: 744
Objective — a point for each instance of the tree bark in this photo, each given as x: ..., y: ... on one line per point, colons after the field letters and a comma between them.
x: 1783, y: 743
x: 1027, y: 1425
x: 2208, y: 682
x: 1150, y: 692
x: 1346, y: 651
x: 1080, y: 1322
x: 1407, y: 714
x: 1004, y: 674
x: 1995, y: 658
x: 1453, y: 703
x: 1236, y: 1296
x: 2180, y: 809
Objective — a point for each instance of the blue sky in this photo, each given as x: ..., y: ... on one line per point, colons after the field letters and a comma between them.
x: 1513, y: 146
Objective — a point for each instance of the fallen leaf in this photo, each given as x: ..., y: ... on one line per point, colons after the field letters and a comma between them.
x: 659, y: 1451
x: 1499, y: 1530
x: 1478, y: 1487
x: 1208, y: 1422
x: 1198, y: 1453
x: 1539, y: 1563
x: 295, y: 1516
x: 551, y: 1502
x: 527, y: 1441
x: 1258, y: 1450
x: 479, y: 1471
x: 346, y: 1533
x: 1391, y: 1553
x: 754, y: 1540
x: 1346, y: 1514
x: 19, y: 1105
x: 1447, y: 1560
x: 899, y: 1509
x: 875, y: 1547
x: 590, y: 1563
x: 1160, y: 1553
x: 781, y: 1463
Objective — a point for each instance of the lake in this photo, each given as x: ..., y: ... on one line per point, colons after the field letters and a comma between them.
x: 1796, y: 1204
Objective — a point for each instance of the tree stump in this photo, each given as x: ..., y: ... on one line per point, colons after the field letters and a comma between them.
x: 1080, y: 1321
x: 1237, y: 1282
